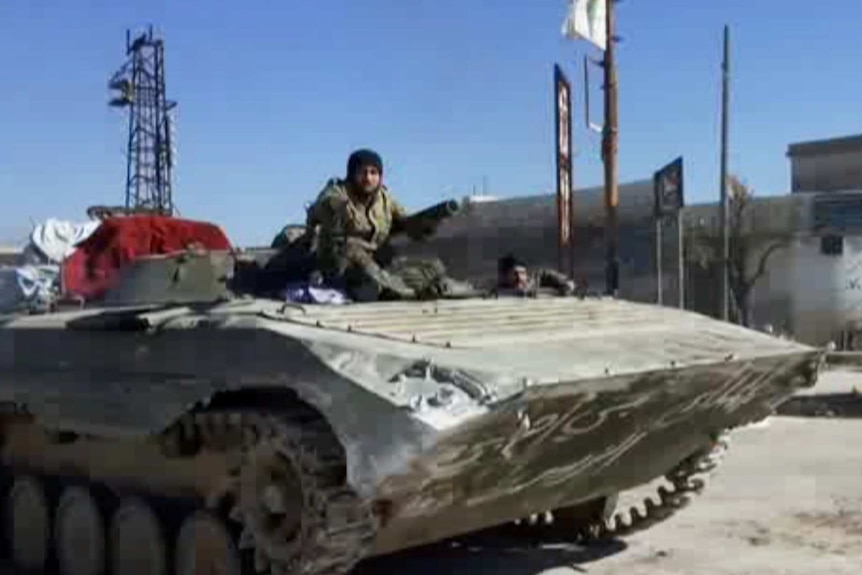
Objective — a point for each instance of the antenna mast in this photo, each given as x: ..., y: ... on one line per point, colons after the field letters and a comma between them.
x: 150, y: 152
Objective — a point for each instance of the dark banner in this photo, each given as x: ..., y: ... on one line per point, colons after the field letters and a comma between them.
x: 668, y: 189
x: 563, y: 105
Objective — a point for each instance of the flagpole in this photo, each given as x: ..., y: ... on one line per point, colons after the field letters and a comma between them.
x: 609, y: 155
x: 580, y: 23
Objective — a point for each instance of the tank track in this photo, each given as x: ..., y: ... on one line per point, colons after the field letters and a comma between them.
x: 687, y: 479
x: 335, y: 528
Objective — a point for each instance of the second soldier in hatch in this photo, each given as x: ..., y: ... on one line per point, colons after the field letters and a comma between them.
x: 351, y: 223
x: 513, y: 278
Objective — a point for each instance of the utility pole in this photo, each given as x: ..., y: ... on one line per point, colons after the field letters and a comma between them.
x: 584, y: 21
x: 609, y: 155
x: 724, y: 216
x: 680, y: 260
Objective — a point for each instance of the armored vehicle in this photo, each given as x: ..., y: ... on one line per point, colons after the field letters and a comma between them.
x: 186, y: 424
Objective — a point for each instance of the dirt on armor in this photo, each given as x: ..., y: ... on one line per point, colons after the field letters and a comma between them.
x: 786, y: 501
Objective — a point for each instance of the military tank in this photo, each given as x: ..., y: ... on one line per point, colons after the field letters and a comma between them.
x: 187, y: 425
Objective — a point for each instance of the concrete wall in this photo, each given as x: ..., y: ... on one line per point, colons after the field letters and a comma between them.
x: 827, y: 294
x: 810, y: 294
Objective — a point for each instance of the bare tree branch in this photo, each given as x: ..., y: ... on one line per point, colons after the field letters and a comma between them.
x: 764, y: 258
x: 706, y: 247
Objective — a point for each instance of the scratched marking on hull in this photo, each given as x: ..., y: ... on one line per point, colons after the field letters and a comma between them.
x: 590, y: 464
x: 592, y: 433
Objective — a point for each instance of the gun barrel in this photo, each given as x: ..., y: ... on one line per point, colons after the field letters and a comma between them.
x: 439, y: 211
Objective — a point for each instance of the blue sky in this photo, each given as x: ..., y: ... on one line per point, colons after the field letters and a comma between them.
x: 273, y: 95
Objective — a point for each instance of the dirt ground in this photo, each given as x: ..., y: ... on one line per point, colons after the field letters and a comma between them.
x: 787, y: 500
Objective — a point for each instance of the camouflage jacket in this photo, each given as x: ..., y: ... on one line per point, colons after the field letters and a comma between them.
x: 287, y: 235
x: 545, y: 278
x: 340, y: 223
x: 542, y: 278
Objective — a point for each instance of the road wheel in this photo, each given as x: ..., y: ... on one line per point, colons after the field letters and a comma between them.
x: 27, y: 518
x: 136, y: 540
x: 206, y: 547
x: 79, y: 534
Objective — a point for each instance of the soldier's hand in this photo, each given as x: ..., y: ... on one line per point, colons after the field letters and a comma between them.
x: 354, y: 244
x: 419, y: 233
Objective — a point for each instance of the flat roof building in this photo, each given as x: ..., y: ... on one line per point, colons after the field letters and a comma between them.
x: 826, y: 165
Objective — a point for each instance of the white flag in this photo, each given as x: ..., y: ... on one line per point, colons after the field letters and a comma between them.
x: 586, y: 19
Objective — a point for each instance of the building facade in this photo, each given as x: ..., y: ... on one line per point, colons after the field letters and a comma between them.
x: 812, y: 285
x: 826, y: 165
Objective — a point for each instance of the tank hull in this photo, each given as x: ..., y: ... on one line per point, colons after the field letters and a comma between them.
x: 557, y: 446
x: 452, y: 416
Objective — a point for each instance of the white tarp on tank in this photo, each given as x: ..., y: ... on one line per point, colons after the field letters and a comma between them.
x: 28, y: 287
x: 36, y: 283
x: 56, y: 239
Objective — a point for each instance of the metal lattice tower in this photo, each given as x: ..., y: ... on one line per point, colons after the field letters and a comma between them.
x: 150, y: 155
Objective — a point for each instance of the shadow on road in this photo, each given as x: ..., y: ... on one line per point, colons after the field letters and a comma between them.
x: 489, y: 554
x: 824, y: 405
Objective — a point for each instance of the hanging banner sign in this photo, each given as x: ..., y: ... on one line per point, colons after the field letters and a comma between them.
x: 668, y: 189
x: 563, y: 104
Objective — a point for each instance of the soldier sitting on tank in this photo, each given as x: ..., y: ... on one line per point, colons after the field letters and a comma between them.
x: 351, y: 223
x: 513, y: 278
